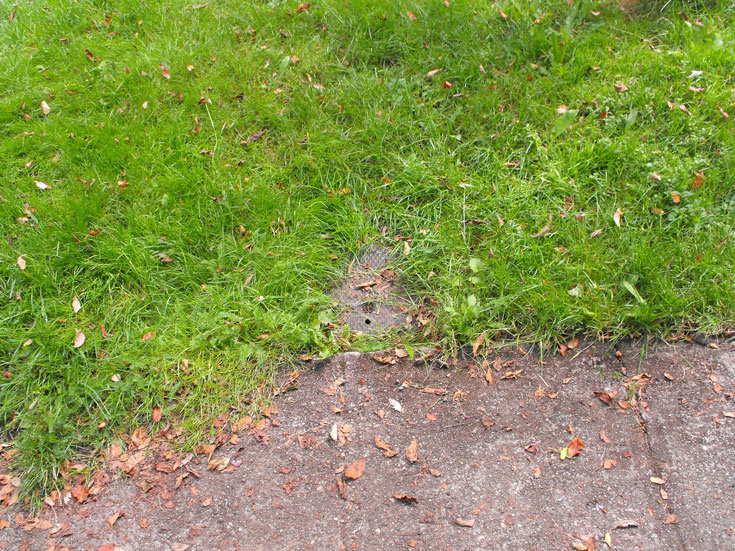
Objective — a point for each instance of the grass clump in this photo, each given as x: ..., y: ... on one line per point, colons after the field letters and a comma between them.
x: 212, y: 169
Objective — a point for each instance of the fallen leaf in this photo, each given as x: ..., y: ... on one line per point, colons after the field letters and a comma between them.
x: 503, y: 15
x: 572, y: 450
x: 355, y: 470
x: 406, y: 248
x: 663, y: 492
x: 148, y: 336
x: 408, y: 500
x: 432, y: 73
x: 303, y: 7
x: 206, y: 502
x: 620, y: 88
x: 487, y: 421
x: 466, y: 523
x: 683, y: 108
x: 478, y: 343
x: 165, y: 72
x: 256, y: 136
x: 626, y: 523
x: 21, y: 262
x: 41, y: 185
x: 724, y: 114
x: 610, y: 463
x: 546, y: 228
x: 698, y: 180
x: 411, y: 16
x: 447, y: 84
x: 563, y: 349
x: 105, y: 334
x: 156, y: 414
x: 670, y: 519
x: 412, y: 451
x: 113, y: 519
x: 489, y: 376
x: 606, y: 397
x: 536, y: 471
x: 595, y: 233
x: 45, y: 108
x: 656, y: 177
x: 616, y: 216
x: 395, y: 404
x: 730, y: 414
x: 562, y: 109
x: 179, y: 547
x: 657, y: 480
x: 608, y: 539
x: 675, y: 197
x: 574, y: 343
x: 432, y: 416
x: 89, y: 54
x: 79, y: 339
x: 76, y: 305
x: 383, y: 445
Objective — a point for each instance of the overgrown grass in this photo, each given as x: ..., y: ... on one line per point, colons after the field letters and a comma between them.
x: 151, y: 179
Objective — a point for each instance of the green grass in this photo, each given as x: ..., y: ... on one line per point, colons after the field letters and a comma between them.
x: 357, y: 139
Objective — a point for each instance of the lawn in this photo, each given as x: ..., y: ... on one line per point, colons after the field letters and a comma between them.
x: 199, y: 175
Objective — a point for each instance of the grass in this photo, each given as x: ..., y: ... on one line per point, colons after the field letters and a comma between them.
x: 159, y: 210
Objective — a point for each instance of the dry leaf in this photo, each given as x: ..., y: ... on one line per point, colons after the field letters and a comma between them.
x: 698, y: 180
x: 595, y: 233
x: 478, y: 343
x: 620, y: 88
x: 148, y: 336
x: 656, y: 177
x: 670, y: 519
x: 608, y: 539
x: 76, y: 305
x: 21, y: 262
x: 468, y: 523
x: 537, y: 471
x: 503, y: 15
x: 113, y: 519
x: 165, y: 72
x: 395, y: 404
x: 489, y: 376
x: 411, y: 16
x: 626, y: 523
x: 41, y: 185
x: 610, y: 463
x: 657, y: 480
x: 408, y: 500
x: 546, y: 228
x: 616, y: 216
x: 574, y: 343
x: 406, y: 248
x: 45, y: 108
x: 575, y: 447
x: 303, y: 7
x: 412, y: 451
x: 724, y: 114
x: 79, y: 339
x: 156, y: 414
x: 432, y: 73
x: 355, y: 470
x: 675, y: 197
x: 447, y: 84
x: 383, y: 445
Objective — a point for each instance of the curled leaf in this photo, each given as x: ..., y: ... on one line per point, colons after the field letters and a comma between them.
x: 79, y: 339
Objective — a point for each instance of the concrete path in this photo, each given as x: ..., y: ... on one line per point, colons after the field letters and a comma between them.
x: 657, y: 470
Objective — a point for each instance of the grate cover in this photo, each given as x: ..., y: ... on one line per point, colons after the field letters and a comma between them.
x: 371, y: 297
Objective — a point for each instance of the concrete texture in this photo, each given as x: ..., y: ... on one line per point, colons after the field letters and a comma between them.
x: 488, y: 473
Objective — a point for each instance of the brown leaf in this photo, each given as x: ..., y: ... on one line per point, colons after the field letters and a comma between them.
x: 575, y: 447
x: 105, y: 334
x: 537, y: 472
x: 342, y: 488
x: 724, y: 114
x: 670, y: 519
x: 447, y: 84
x: 412, y: 451
x: 487, y: 421
x: 89, y: 55
x: 503, y: 15
x: 657, y: 480
x: 574, y: 343
x: 80, y: 492
x: 255, y: 137
x: 21, y: 262
x: 467, y: 523
x: 563, y: 349
x: 76, y: 305
x: 165, y: 72
x: 355, y: 470
x: 411, y: 16
x: 698, y: 180
x: 303, y: 7
x: 432, y: 73
x: 383, y: 445
x: 156, y: 414
x: 478, y: 343
x: 620, y: 88
x: 489, y: 376
x: 606, y: 397
x: 45, y: 108
x: 113, y: 519
x: 79, y: 339
x: 610, y: 463
x: 546, y: 228
x: 41, y: 185
x: 148, y: 336
x: 408, y: 500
